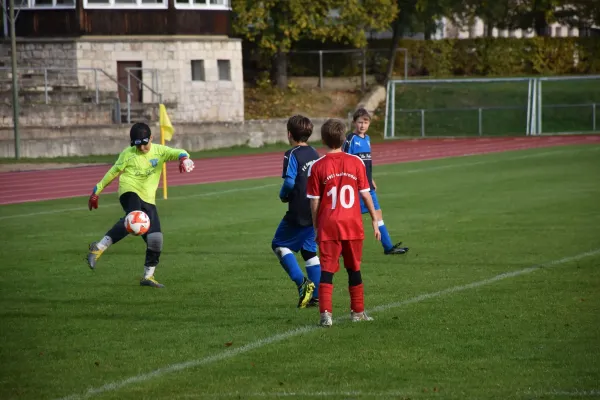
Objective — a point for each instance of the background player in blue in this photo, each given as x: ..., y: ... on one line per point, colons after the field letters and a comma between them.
x: 295, y: 231
x: 359, y: 144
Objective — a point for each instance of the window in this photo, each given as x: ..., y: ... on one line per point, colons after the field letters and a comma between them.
x: 557, y: 31
x: 131, y: 4
x: 198, y: 70
x: 205, y: 4
x: 45, y: 4
x: 224, y: 67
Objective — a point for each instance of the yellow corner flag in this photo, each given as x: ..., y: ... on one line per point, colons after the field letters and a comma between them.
x: 166, y: 133
x: 166, y: 128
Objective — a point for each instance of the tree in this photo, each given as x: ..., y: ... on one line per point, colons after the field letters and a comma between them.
x: 494, y: 14
x: 413, y: 15
x: 276, y: 25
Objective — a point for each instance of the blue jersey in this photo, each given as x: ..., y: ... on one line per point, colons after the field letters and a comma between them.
x: 296, y: 163
x: 360, y: 147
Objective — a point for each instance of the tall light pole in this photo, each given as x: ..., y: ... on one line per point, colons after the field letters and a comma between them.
x: 15, y: 88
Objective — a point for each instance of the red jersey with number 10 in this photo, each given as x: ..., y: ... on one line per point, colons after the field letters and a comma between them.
x: 337, y: 179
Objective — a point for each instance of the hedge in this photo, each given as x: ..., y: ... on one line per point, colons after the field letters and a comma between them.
x: 501, y: 57
x: 448, y: 57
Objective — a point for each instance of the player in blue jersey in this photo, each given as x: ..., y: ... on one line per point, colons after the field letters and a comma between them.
x: 295, y: 232
x: 359, y: 144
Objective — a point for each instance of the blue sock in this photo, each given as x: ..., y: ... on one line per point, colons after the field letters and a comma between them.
x: 290, y: 264
x: 314, y: 274
x: 386, y: 240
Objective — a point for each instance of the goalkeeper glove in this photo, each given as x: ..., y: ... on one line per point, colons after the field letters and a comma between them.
x: 186, y: 165
x: 93, y: 201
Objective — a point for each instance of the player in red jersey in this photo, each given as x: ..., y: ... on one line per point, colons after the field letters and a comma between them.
x: 335, y: 182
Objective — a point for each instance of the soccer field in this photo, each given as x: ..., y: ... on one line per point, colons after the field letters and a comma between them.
x: 498, y: 297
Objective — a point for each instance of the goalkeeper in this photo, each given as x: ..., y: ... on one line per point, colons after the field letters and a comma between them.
x: 138, y: 167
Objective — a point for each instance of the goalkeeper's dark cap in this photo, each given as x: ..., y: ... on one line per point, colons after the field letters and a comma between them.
x: 140, y: 134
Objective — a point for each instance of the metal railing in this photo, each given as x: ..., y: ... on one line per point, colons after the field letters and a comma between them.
x: 522, y: 108
x: 363, y: 54
x: 97, y: 73
x: 140, y: 82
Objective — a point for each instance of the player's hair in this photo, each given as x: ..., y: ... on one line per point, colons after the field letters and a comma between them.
x: 300, y: 128
x: 361, y: 112
x: 333, y: 133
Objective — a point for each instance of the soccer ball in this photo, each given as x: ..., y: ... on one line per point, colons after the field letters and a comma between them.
x: 137, y: 223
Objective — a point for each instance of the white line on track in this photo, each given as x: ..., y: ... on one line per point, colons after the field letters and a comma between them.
x: 227, y: 354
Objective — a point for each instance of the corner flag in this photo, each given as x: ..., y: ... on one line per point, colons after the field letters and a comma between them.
x: 166, y: 133
x: 165, y: 123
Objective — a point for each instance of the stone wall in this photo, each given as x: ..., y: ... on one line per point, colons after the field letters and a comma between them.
x: 208, y: 100
x: 74, y: 141
x: 31, y: 114
x: 43, y: 53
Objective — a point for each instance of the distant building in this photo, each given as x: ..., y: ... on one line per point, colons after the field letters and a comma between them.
x: 180, y: 49
x: 448, y: 30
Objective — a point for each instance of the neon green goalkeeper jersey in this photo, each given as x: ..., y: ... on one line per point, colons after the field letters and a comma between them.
x: 139, y: 172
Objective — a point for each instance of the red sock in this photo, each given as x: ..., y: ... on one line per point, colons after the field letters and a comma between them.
x: 357, y: 298
x: 325, y: 294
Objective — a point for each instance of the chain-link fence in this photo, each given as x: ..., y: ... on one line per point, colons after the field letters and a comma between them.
x: 350, y: 63
x: 492, y: 106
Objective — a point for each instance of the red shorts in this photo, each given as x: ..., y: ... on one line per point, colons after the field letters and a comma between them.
x: 331, y: 250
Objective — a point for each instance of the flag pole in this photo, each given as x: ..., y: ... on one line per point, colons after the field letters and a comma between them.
x: 164, y: 167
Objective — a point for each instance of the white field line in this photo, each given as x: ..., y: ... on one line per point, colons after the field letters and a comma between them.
x: 471, y: 164
x: 207, y: 194
x: 345, y: 394
x: 406, y: 172
x: 380, y: 395
x: 227, y: 354
x: 574, y: 393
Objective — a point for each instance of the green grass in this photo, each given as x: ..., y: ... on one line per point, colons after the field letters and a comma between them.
x: 66, y: 329
x: 452, y: 109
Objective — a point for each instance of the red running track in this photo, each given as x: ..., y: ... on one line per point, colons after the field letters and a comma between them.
x: 26, y: 186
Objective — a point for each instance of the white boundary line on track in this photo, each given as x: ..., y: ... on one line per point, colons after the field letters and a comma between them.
x: 406, y: 172
x: 227, y: 354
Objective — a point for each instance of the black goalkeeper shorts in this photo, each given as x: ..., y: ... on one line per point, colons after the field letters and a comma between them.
x: 131, y: 202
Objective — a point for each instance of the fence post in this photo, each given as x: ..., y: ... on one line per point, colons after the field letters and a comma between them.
x: 422, y: 122
x: 533, y: 125
x: 46, y: 85
x: 539, y: 115
x: 364, y: 70
x: 528, y: 131
x: 321, y: 69
x: 393, y: 108
x: 387, y: 111
x: 480, y: 121
x: 96, y: 84
x: 405, y: 64
x: 594, y: 117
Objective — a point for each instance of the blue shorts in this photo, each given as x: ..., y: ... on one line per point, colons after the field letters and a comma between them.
x: 363, y: 208
x: 295, y: 237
